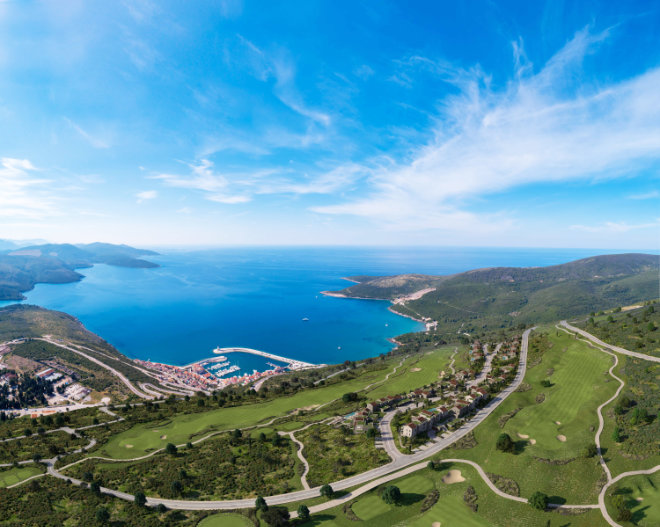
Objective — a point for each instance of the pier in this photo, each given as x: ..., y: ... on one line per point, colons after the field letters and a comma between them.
x: 292, y: 364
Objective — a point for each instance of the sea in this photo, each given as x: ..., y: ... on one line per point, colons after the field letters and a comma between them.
x: 267, y: 299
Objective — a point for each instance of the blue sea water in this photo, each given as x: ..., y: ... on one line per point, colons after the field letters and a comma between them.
x: 258, y: 297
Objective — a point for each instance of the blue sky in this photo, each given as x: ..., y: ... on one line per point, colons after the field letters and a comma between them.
x: 310, y: 122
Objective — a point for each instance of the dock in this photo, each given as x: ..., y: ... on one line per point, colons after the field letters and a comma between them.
x: 292, y: 364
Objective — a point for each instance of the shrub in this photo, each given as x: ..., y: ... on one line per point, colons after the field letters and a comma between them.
x: 539, y: 500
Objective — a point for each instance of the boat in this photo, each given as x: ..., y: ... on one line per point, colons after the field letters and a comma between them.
x: 305, y: 319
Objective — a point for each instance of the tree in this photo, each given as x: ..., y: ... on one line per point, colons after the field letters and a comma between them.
x: 504, y: 443
x: 95, y: 487
x: 171, y: 449
x: 102, y: 515
x: 650, y: 326
x: 349, y: 397
x: 371, y: 433
x: 303, y: 512
x: 616, y: 435
x: 391, y: 494
x: 276, y: 516
x: 590, y: 451
x: 260, y: 504
x: 177, y: 487
x: 237, y: 434
x: 140, y: 499
x: 539, y: 500
x: 326, y: 491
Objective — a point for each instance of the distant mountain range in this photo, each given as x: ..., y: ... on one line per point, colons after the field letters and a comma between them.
x: 505, y: 296
x: 23, y: 267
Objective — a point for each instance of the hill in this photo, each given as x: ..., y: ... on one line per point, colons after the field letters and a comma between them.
x: 26, y: 325
x: 22, y: 268
x: 506, y: 296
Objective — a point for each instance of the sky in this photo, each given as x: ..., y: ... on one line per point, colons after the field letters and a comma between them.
x: 472, y: 123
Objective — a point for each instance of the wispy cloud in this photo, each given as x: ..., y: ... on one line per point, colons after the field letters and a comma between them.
x: 616, y: 227
x: 93, y: 140
x: 241, y: 187
x: 645, y: 195
x: 146, y: 195
x: 282, y: 68
x: 23, y: 193
x: 543, y: 127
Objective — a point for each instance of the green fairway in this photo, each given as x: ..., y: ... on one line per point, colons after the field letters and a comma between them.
x: 15, y: 475
x: 579, y: 385
x: 415, y: 372
x: 147, y: 437
x: 450, y: 509
x: 642, y: 495
x: 225, y: 520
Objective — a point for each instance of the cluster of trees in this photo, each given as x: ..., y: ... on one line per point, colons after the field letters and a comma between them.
x: 24, y: 390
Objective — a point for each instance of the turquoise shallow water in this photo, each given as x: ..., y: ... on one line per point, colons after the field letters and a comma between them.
x: 257, y: 298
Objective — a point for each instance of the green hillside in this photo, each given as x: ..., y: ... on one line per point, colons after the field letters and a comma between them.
x: 506, y: 296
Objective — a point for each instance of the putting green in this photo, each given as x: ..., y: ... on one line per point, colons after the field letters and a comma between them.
x: 15, y: 475
x: 144, y: 438
x: 450, y: 511
x: 370, y: 507
x: 225, y: 520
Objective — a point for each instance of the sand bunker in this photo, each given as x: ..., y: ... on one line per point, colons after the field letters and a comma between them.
x: 163, y: 437
x: 523, y: 436
x: 453, y: 476
x: 415, y: 369
x: 532, y: 441
x: 561, y: 438
x: 129, y: 446
x: 558, y: 423
x: 436, y: 524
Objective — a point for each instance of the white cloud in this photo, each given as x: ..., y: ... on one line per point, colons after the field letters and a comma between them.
x: 544, y: 127
x: 22, y: 193
x: 146, y: 195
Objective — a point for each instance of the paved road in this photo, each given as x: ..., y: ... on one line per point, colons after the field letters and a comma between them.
x: 385, y: 472
x: 120, y: 375
x: 618, y: 349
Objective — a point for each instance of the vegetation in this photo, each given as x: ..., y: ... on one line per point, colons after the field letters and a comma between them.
x: 632, y: 329
x: 337, y: 453
x: 508, y: 296
x: 241, y: 467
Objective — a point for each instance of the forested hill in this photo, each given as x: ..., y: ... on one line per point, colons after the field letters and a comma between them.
x: 504, y: 296
x: 23, y: 267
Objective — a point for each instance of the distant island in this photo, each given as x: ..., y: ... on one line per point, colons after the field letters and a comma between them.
x: 23, y: 267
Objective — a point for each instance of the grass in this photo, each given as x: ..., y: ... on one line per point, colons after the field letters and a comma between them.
x: 144, y: 438
x: 449, y: 510
x: 642, y: 498
x: 579, y: 385
x: 225, y: 520
x: 16, y: 475
x: 415, y: 372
